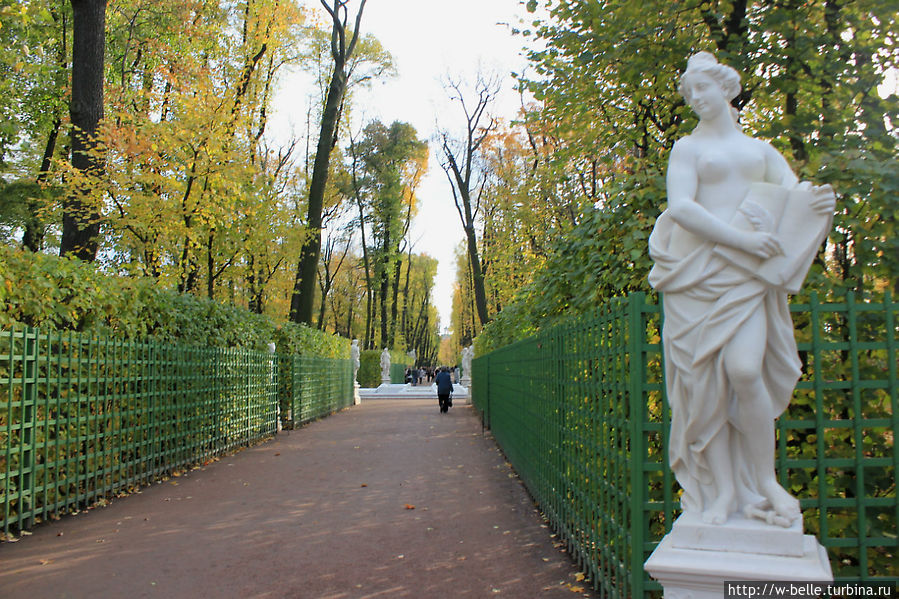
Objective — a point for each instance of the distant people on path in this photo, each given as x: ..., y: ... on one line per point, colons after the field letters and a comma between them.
x: 444, y: 389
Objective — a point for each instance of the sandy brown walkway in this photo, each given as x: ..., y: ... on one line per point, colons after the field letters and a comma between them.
x: 321, y: 512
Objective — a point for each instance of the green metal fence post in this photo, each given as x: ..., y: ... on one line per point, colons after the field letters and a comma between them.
x: 488, y: 380
x: 892, y: 365
x: 27, y: 429
x: 636, y: 377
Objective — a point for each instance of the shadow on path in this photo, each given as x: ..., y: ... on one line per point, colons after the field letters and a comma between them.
x: 386, y: 499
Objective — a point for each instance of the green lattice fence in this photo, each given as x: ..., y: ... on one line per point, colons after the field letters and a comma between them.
x: 397, y: 373
x: 579, y: 410
x: 83, y: 418
x: 321, y: 387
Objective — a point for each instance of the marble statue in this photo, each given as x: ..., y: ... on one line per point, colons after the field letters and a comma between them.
x: 385, y: 365
x: 354, y: 354
x: 739, y: 234
x: 467, y: 356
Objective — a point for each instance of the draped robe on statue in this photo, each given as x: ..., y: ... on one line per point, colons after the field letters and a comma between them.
x: 706, y: 301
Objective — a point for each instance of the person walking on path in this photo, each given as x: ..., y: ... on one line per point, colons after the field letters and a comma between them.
x: 444, y: 389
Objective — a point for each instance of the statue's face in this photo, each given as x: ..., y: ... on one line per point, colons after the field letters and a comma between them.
x: 705, y: 95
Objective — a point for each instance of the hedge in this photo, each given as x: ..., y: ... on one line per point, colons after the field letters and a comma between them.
x: 46, y: 291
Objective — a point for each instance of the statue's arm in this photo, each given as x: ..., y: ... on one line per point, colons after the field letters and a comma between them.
x: 777, y: 169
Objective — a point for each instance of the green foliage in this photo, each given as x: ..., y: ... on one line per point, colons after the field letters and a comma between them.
x: 604, y: 256
x: 606, y: 85
x: 49, y: 292
x: 369, y: 375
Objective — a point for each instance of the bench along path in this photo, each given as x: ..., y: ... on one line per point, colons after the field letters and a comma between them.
x: 386, y: 499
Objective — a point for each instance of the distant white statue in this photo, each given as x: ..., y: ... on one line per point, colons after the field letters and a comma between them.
x: 385, y: 365
x: 354, y: 354
x: 738, y: 235
x: 467, y: 356
x: 412, y: 356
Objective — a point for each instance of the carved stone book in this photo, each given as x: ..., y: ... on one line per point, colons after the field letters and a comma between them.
x: 800, y: 230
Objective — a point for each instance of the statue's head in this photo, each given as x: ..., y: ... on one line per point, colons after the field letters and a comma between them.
x: 707, y: 64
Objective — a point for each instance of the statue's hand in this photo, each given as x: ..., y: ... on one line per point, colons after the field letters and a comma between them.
x: 761, y: 244
x: 824, y: 200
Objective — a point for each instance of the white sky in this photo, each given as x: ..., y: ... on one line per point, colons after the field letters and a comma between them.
x: 428, y: 39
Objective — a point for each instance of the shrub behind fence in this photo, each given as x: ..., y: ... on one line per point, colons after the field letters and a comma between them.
x: 580, y: 412
x: 83, y: 418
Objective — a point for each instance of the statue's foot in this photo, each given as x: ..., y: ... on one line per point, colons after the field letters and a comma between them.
x: 718, y: 512
x: 784, y: 504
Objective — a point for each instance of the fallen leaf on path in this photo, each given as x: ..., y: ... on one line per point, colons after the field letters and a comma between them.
x: 363, y: 485
x: 44, y: 562
x: 579, y: 576
x: 279, y: 453
x: 409, y: 506
x: 574, y: 588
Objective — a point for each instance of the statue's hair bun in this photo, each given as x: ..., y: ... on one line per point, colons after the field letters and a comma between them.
x: 702, y: 59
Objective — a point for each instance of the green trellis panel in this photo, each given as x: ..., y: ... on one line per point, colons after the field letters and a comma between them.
x: 397, y: 374
x: 321, y: 387
x: 83, y: 418
x: 580, y: 412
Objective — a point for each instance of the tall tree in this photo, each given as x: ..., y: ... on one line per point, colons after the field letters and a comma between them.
x: 302, y: 301
x: 464, y: 165
x: 387, y: 164
x: 81, y: 212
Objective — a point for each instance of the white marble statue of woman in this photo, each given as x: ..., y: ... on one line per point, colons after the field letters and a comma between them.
x: 385, y: 364
x: 739, y: 233
x: 467, y: 356
x: 354, y: 354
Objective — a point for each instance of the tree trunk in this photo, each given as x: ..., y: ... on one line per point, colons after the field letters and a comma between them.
x: 349, y: 319
x: 210, y: 264
x: 477, y: 275
x: 81, y: 217
x: 325, y: 289
x: 384, y: 277
x: 33, y: 238
x: 301, y: 303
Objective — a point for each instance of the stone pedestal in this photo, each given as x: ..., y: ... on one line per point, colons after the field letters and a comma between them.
x: 385, y: 380
x: 696, y: 559
x: 466, y: 381
x: 356, y: 397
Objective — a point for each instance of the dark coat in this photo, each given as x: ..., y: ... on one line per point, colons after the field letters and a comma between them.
x: 444, y: 383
